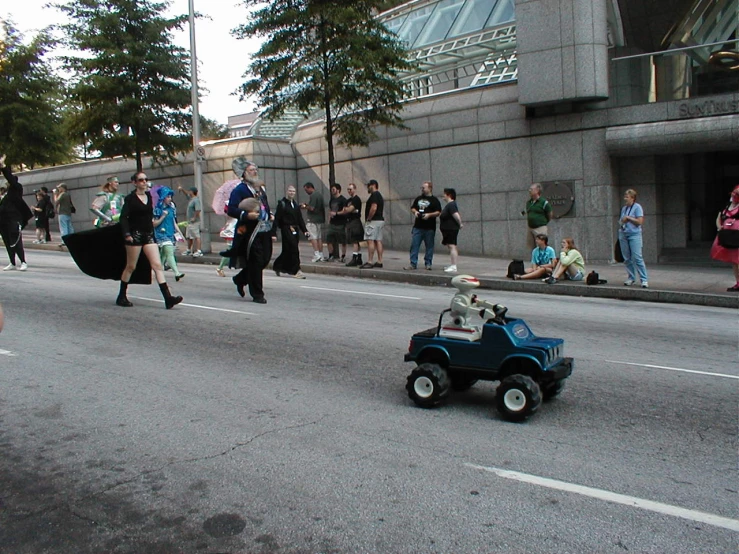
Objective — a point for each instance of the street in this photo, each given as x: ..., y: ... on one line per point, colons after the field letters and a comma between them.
x: 227, y: 426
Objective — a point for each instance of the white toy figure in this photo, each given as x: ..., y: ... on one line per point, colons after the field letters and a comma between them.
x: 465, y: 305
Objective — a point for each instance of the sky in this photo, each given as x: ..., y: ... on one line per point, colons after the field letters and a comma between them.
x: 222, y: 58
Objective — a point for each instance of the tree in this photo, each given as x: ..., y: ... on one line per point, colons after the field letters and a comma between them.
x: 210, y: 129
x: 327, y: 55
x: 31, y: 130
x: 131, y: 85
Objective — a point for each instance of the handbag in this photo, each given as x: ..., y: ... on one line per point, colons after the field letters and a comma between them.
x: 728, y: 235
x: 617, y: 254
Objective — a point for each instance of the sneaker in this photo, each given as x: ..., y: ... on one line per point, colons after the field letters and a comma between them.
x: 551, y: 281
x: 43, y: 242
x: 197, y: 254
x: 342, y: 259
x: 644, y: 285
x: 428, y: 267
x: 220, y: 272
x: 735, y: 288
x: 317, y: 257
x: 299, y: 275
x: 9, y: 267
x: 368, y: 265
x: 187, y: 253
x: 23, y: 267
x: 410, y: 267
x: 450, y: 269
x: 628, y: 282
x: 36, y: 242
x: 178, y: 277
x: 516, y: 277
x: 377, y: 264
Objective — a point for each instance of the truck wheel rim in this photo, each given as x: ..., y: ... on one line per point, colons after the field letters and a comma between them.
x: 514, y: 400
x: 423, y: 387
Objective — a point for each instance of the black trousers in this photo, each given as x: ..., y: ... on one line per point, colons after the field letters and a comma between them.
x: 253, y: 265
x: 10, y: 232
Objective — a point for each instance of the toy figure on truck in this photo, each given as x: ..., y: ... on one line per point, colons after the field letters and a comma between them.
x: 473, y: 341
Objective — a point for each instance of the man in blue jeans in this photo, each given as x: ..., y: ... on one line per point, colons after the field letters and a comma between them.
x: 64, y: 209
x: 425, y: 210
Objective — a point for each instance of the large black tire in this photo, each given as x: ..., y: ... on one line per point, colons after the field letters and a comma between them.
x: 460, y: 384
x: 427, y: 385
x: 550, y: 390
x: 517, y: 397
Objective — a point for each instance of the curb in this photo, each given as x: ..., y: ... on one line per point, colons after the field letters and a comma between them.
x: 438, y: 278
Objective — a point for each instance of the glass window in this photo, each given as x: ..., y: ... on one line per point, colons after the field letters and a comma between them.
x: 395, y: 23
x: 504, y: 12
x: 414, y: 24
x: 473, y: 16
x: 439, y: 23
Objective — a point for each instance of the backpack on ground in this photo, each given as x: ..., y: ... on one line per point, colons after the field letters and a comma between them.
x: 594, y: 279
x: 515, y: 268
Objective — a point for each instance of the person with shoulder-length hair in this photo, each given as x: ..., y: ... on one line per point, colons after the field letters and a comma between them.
x: 137, y: 224
x: 630, y: 239
x: 725, y: 220
x: 14, y: 214
x: 570, y: 265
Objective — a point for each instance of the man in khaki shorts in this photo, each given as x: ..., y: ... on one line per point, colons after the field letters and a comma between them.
x: 373, y: 224
x: 315, y: 218
x: 192, y: 234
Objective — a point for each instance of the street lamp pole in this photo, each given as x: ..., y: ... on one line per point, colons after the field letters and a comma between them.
x: 198, y: 151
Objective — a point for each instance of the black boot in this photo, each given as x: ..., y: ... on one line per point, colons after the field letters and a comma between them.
x: 169, y: 300
x: 122, y: 300
x: 356, y: 261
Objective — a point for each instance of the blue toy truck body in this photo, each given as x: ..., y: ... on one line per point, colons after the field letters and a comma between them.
x: 507, y: 351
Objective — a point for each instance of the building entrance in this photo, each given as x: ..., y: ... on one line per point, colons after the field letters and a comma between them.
x: 713, y: 176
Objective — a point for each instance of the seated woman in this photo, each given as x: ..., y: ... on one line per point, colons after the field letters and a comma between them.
x: 571, y: 264
x: 543, y: 260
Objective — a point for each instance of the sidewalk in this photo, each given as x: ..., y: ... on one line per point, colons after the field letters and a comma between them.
x: 679, y: 284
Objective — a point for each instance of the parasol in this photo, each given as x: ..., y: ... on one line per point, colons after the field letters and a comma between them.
x: 221, y: 196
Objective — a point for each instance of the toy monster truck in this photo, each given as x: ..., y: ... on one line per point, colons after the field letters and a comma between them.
x: 500, y: 349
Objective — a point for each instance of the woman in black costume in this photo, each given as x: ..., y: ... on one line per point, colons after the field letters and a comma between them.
x: 14, y: 214
x: 138, y: 233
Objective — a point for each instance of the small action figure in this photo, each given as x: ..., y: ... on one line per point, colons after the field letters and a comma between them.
x: 464, y: 305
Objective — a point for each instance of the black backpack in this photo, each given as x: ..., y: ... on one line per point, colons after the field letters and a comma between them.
x: 50, y: 212
x: 594, y: 279
x: 515, y: 268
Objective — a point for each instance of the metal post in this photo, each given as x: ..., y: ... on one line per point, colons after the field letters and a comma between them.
x: 198, y: 151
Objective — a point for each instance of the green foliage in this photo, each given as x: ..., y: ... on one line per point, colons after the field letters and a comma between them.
x: 131, y: 85
x: 211, y: 129
x: 333, y: 56
x: 31, y: 132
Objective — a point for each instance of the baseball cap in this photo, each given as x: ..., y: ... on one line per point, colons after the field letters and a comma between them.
x: 373, y: 182
x: 193, y: 189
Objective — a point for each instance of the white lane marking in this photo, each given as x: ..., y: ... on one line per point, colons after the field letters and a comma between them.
x: 360, y: 292
x: 608, y: 496
x: 195, y: 306
x: 676, y: 369
x: 7, y: 353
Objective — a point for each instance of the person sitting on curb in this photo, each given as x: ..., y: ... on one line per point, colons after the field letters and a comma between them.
x: 571, y: 264
x: 543, y: 260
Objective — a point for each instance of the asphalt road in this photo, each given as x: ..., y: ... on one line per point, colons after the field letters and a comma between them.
x: 227, y: 426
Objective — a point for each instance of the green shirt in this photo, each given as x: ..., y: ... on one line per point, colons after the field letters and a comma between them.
x: 537, y: 212
x: 318, y: 212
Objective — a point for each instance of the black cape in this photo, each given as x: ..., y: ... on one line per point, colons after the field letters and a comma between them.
x: 101, y: 253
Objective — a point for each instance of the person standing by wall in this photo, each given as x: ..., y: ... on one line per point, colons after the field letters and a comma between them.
x: 50, y: 213
x: 726, y: 220
x: 194, y: 212
x: 336, y: 234
x: 137, y: 224
x: 374, y: 221
x: 538, y: 212
x: 64, y: 208
x: 14, y: 215
x: 425, y: 209
x: 450, y: 223
x: 315, y: 215
x: 354, y: 229
x: 41, y: 216
x: 630, y: 239
x: 289, y: 221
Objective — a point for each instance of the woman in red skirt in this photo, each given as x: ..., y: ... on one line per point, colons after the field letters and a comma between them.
x: 725, y: 219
